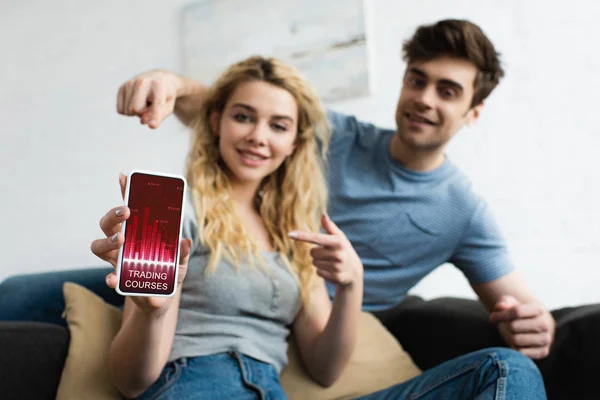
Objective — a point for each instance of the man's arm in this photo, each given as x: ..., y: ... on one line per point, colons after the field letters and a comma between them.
x: 483, y: 257
x: 154, y: 95
x: 189, y: 100
x: 522, y: 320
x: 511, y: 284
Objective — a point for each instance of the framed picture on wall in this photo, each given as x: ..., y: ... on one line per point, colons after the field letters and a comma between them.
x: 325, y: 40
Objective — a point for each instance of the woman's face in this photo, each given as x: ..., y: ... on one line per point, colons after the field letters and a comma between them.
x: 257, y: 130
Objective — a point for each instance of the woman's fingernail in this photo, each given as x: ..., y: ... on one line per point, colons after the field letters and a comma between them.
x: 107, y: 279
x: 293, y: 235
x: 114, y: 237
x: 119, y: 212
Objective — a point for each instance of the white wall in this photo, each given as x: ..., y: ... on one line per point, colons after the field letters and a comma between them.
x: 532, y: 154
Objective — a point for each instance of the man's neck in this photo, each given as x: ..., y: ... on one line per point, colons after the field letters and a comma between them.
x: 419, y: 160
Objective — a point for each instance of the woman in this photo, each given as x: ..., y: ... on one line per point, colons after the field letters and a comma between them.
x: 248, y: 275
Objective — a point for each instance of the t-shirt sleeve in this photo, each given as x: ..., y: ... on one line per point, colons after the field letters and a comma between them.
x: 344, y: 129
x: 189, y: 229
x: 482, y: 254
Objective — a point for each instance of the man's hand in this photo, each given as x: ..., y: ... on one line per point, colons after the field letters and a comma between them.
x: 528, y: 328
x: 150, y: 96
x: 334, y: 257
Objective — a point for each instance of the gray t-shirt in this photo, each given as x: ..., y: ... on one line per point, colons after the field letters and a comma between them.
x: 246, y: 310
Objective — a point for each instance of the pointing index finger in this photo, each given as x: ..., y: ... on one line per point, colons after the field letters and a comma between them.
x: 321, y: 239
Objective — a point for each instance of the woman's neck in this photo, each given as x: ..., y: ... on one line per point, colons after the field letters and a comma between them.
x: 244, y: 197
x: 244, y: 202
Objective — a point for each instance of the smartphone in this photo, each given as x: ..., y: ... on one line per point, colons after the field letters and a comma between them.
x: 149, y: 258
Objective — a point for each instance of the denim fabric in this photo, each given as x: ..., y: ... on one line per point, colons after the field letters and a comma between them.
x: 220, y: 376
x: 39, y: 297
x: 489, y: 374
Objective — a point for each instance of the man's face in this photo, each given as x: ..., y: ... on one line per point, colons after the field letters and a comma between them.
x: 435, y: 102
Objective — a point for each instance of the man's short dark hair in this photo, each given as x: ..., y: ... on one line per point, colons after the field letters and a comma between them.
x: 458, y: 39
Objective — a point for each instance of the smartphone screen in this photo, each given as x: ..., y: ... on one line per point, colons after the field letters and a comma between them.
x: 149, y: 256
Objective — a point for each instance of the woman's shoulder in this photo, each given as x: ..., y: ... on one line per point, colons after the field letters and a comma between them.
x: 189, y: 229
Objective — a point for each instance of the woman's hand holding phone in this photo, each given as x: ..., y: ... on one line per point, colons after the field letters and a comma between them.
x: 108, y: 250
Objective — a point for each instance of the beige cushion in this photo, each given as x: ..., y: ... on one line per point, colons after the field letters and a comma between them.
x: 92, y: 323
x: 377, y: 362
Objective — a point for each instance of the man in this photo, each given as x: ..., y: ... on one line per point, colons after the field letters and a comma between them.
x: 404, y: 206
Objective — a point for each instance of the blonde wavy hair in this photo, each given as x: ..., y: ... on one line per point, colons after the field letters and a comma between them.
x: 291, y: 198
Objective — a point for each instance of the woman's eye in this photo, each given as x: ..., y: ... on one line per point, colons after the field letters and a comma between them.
x: 241, y: 117
x: 280, y: 128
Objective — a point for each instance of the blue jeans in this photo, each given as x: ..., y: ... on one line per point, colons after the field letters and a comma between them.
x: 496, y: 373
x: 489, y: 374
x: 219, y: 376
x: 39, y: 297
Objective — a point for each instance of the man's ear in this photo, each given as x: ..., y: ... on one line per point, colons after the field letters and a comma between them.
x: 473, y: 114
x: 214, y: 122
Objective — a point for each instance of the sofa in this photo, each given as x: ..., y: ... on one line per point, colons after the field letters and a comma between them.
x: 49, y: 361
x: 34, y: 354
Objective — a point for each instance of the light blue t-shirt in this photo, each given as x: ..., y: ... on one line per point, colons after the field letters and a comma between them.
x: 402, y: 223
